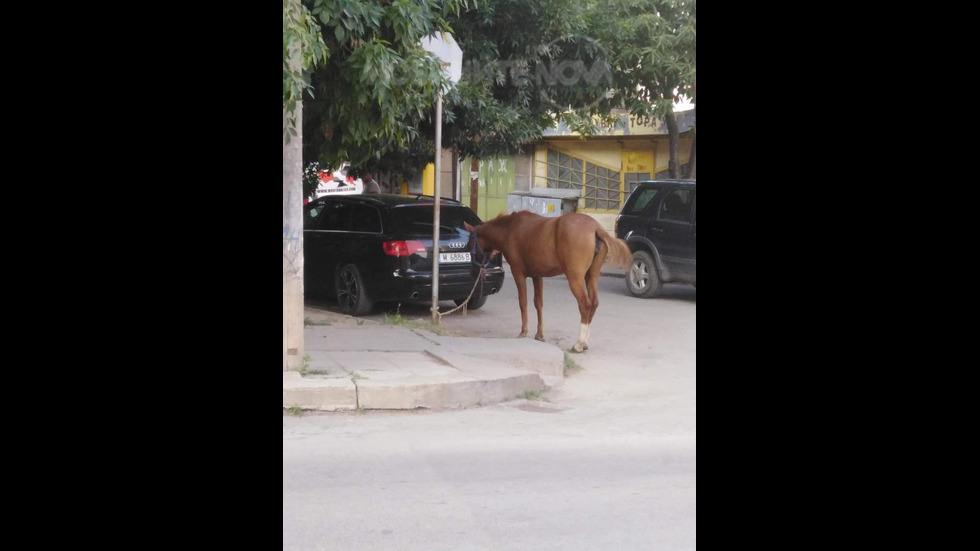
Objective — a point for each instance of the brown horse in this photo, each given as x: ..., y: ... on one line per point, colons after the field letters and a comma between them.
x: 538, y: 247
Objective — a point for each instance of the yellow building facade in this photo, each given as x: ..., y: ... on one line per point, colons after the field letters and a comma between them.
x: 603, y: 168
x: 606, y: 168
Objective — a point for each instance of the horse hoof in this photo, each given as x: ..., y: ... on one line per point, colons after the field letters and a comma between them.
x: 578, y: 349
x: 522, y: 335
x: 541, y: 339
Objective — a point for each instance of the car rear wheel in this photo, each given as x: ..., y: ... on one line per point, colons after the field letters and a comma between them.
x: 643, y: 281
x: 352, y: 297
x: 475, y: 303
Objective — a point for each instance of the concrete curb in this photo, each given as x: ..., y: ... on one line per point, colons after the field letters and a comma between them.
x: 318, y: 394
x: 382, y: 367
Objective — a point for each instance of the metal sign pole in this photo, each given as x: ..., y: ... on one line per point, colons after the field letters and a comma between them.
x: 436, y: 214
x: 444, y: 48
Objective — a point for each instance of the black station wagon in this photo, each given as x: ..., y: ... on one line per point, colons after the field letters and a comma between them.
x: 659, y: 221
x: 365, y: 249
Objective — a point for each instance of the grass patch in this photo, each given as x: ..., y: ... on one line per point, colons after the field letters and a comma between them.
x: 310, y: 322
x: 398, y: 320
x: 571, y: 367
x: 293, y: 411
x: 530, y: 395
x: 440, y: 330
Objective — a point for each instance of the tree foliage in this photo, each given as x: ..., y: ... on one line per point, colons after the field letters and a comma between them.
x: 655, y: 46
x: 379, y: 85
x: 522, y: 61
x: 373, y: 102
x: 299, y: 31
x: 528, y: 64
x: 654, y: 55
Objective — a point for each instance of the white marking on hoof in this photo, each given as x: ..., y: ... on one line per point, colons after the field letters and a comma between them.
x: 583, y: 339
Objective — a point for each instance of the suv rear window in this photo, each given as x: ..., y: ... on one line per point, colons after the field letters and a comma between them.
x: 418, y: 219
x: 640, y: 201
x: 677, y: 206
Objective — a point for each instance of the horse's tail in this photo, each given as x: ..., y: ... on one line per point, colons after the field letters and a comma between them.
x: 619, y: 252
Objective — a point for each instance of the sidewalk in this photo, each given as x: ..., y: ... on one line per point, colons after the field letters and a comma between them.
x: 357, y: 364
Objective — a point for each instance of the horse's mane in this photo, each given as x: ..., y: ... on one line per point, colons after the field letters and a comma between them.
x: 498, y: 219
x: 504, y: 217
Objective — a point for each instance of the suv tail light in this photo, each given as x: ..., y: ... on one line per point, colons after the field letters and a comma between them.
x: 403, y: 248
x: 617, y: 224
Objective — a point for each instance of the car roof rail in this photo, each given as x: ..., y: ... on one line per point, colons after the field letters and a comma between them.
x: 419, y: 197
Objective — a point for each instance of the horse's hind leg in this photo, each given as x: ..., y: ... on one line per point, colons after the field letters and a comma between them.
x: 577, y: 284
x: 539, y: 306
x: 592, y: 285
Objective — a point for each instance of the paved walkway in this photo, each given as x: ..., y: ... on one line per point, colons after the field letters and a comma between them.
x: 359, y: 364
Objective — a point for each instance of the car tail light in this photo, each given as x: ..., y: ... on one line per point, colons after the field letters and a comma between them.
x: 617, y: 224
x: 403, y: 248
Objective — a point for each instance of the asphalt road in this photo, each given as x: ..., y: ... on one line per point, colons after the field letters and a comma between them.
x: 608, y: 461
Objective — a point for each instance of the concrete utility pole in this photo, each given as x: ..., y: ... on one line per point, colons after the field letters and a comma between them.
x: 292, y: 242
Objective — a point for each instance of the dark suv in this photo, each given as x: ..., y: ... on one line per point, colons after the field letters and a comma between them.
x: 365, y: 249
x: 659, y: 221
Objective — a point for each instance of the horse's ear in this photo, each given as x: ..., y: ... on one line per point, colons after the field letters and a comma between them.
x: 468, y: 227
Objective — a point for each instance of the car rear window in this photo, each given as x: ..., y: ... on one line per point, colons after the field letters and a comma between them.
x: 335, y: 216
x: 417, y: 219
x: 309, y: 218
x: 366, y: 219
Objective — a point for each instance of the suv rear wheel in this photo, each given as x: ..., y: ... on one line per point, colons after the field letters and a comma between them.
x: 642, y: 280
x: 352, y: 297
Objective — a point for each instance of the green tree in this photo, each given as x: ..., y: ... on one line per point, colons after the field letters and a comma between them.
x: 506, y: 97
x: 373, y: 103
x: 653, y: 47
x: 299, y: 30
x: 378, y: 87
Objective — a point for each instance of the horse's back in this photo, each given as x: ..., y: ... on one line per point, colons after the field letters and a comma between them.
x: 575, y: 242
x: 576, y: 222
x: 526, y: 220
x: 542, y: 231
x: 576, y: 231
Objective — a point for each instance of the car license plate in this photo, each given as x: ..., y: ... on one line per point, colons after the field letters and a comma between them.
x: 452, y: 258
